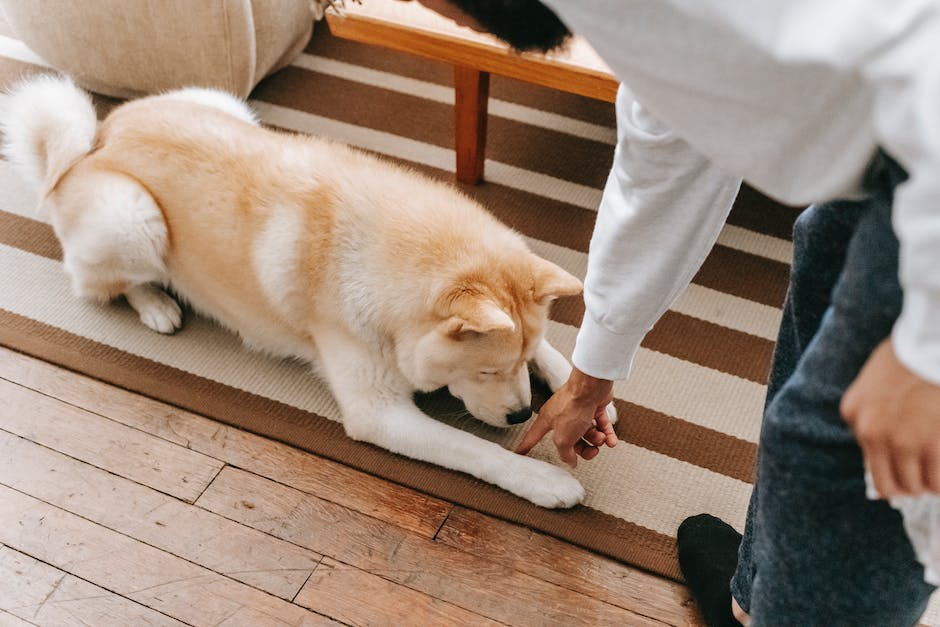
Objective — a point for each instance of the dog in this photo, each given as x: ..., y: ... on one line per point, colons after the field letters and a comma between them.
x: 388, y: 282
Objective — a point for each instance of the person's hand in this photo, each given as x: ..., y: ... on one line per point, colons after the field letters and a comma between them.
x: 577, y: 412
x: 895, y: 415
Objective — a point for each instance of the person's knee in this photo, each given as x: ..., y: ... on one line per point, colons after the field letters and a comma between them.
x: 820, y: 237
x: 828, y: 225
x: 805, y: 222
x: 816, y: 219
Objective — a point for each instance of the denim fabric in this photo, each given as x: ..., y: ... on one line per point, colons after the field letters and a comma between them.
x: 815, y: 550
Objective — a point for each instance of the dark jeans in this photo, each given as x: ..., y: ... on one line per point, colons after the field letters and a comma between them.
x: 815, y: 550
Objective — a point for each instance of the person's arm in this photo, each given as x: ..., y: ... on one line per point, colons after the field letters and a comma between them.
x: 908, y: 120
x: 894, y: 404
x: 662, y: 210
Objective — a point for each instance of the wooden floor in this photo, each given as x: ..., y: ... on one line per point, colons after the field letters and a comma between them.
x: 117, y: 509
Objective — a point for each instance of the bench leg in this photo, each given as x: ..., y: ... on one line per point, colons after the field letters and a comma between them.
x: 472, y: 89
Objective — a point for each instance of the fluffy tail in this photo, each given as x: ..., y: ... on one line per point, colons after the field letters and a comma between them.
x: 48, y: 124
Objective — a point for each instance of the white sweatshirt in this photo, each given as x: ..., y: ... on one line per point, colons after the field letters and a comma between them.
x: 793, y: 96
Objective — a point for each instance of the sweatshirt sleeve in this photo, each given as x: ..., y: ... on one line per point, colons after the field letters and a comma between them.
x: 663, y: 207
x: 907, y: 117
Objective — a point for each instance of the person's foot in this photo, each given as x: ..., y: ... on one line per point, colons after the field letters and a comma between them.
x: 708, y: 556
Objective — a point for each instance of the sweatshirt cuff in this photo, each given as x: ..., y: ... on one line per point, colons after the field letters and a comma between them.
x: 602, y: 353
x: 916, y: 335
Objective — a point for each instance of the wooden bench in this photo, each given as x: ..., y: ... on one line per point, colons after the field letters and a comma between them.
x: 408, y: 26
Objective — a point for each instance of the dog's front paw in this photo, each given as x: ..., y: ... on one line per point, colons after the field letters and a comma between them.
x: 163, y: 316
x: 156, y: 308
x: 544, y: 484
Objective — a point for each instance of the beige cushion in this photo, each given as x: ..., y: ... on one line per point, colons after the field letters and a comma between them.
x: 126, y: 48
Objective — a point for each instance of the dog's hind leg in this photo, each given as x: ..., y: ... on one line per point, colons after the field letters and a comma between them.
x: 156, y: 308
x: 114, y: 241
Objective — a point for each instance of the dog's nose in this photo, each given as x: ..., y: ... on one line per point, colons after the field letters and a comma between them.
x: 518, y: 417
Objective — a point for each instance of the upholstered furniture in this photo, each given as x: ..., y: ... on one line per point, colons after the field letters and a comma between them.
x: 127, y: 48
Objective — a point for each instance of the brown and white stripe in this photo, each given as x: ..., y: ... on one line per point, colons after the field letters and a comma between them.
x: 690, y: 412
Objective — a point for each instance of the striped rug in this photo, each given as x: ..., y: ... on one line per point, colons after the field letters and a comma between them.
x: 690, y: 413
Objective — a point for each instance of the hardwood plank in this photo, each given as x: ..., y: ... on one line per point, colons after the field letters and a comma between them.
x: 326, y: 528
x: 568, y: 566
x: 135, y: 570
x: 473, y: 583
x: 36, y: 592
x: 363, y: 493
x: 204, y: 538
x: 377, y: 601
x: 105, y: 443
x: 329, y: 480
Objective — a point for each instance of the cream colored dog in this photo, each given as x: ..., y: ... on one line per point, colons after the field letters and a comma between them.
x: 387, y: 281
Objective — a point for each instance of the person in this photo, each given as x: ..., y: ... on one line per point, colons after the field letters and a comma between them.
x: 832, y: 104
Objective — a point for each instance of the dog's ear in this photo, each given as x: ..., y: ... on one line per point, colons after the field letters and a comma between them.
x: 551, y: 281
x: 478, y: 314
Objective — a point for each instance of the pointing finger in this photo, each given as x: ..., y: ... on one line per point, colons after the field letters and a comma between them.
x: 534, y: 435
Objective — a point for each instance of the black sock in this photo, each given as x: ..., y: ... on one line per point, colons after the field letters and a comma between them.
x: 708, y: 556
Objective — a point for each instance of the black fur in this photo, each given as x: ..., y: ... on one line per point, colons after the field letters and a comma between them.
x: 523, y: 24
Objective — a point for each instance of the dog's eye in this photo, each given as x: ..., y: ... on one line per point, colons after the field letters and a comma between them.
x: 488, y: 373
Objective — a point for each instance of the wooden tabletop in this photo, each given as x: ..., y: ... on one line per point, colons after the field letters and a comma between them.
x: 409, y: 26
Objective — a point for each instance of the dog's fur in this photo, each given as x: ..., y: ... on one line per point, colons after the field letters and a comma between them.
x: 391, y: 283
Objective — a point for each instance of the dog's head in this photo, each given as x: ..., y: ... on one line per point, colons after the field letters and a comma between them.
x: 484, y: 330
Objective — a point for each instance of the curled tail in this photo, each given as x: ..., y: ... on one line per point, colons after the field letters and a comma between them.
x: 48, y: 123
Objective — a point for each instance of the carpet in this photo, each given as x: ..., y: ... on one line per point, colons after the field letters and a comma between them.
x: 690, y: 413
